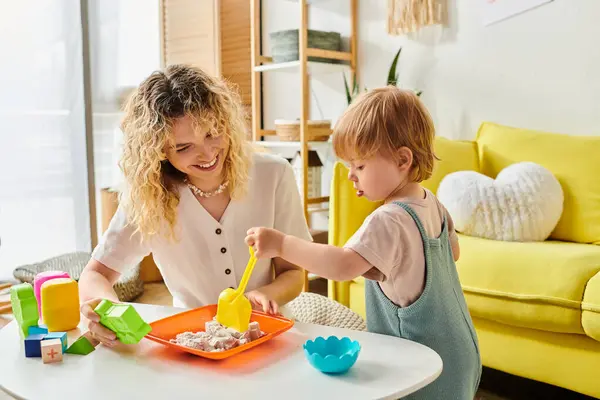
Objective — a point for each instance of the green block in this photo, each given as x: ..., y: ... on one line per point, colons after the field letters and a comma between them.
x: 81, y: 346
x: 24, y: 305
x: 123, y: 320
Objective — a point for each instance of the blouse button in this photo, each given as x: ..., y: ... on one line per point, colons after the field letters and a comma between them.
x: 227, y: 271
x: 223, y: 250
x: 218, y: 231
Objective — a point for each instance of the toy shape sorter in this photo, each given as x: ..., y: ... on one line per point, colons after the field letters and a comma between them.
x: 60, y: 305
x: 39, y: 280
x: 24, y: 307
x: 123, y: 320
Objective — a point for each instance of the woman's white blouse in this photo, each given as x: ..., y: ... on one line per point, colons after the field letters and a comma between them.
x: 211, y: 255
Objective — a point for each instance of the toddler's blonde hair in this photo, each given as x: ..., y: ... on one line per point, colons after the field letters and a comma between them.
x: 382, y: 121
x: 152, y: 195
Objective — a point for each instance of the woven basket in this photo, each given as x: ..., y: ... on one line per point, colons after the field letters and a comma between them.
x: 284, y: 44
x: 313, y: 308
x: 289, y: 130
x: 128, y: 287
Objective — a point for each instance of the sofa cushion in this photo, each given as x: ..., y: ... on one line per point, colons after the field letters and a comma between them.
x: 454, y: 155
x: 536, y: 285
x: 590, y: 318
x: 572, y: 159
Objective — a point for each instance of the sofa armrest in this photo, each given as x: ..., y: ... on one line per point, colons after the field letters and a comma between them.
x: 590, y: 308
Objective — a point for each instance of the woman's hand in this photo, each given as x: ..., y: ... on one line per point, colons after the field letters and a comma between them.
x: 261, y: 302
x: 97, y: 331
x: 267, y: 243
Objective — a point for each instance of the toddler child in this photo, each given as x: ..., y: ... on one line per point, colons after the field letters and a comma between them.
x: 406, y: 248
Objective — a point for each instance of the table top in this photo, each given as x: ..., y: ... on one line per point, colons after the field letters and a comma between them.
x: 387, y: 367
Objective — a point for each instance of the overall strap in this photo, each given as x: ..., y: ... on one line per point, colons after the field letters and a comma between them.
x: 415, y: 218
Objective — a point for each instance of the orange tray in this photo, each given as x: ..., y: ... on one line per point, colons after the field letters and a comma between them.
x: 193, y: 321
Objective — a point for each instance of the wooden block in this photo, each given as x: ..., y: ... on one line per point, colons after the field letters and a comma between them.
x: 81, y: 346
x: 52, y: 351
x: 37, y: 330
x: 33, y: 345
x: 62, y: 336
x: 60, y: 306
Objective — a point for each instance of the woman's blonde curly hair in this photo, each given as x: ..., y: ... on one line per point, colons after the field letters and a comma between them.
x: 152, y: 193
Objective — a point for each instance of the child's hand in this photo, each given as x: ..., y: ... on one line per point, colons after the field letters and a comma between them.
x: 267, y: 242
x: 262, y: 303
x: 96, y: 330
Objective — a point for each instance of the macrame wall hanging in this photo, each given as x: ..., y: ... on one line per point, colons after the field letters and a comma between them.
x: 405, y: 16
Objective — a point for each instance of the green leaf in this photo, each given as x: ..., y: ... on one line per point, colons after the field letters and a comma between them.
x: 418, y: 93
x: 392, y: 74
x: 348, y: 95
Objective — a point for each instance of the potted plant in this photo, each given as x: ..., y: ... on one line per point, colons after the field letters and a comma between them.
x: 392, y: 79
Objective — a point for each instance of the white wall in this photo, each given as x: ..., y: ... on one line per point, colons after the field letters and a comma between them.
x: 538, y: 70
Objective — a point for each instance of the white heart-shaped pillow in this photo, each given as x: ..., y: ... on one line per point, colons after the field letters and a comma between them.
x: 523, y: 203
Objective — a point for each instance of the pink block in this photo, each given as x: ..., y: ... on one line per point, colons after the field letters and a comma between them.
x: 39, y: 280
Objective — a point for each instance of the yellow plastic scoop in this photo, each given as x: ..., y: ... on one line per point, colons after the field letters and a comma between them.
x: 234, y: 309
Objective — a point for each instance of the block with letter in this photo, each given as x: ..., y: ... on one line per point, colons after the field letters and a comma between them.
x: 51, y: 351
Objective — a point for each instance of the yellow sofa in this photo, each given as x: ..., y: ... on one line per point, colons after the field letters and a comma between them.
x: 536, y: 306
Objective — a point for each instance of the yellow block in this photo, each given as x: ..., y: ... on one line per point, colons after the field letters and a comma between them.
x: 573, y: 160
x: 60, y: 304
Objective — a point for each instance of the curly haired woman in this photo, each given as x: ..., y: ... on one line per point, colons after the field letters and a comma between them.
x: 193, y: 188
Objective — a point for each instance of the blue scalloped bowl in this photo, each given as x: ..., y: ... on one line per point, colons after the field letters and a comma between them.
x: 332, y: 355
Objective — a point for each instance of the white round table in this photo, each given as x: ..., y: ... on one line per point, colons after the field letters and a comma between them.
x: 387, y: 368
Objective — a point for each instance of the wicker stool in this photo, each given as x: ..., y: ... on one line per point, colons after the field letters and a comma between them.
x: 128, y: 287
x: 313, y: 308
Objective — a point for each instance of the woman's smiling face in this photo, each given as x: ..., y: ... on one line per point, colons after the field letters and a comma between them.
x: 198, y: 151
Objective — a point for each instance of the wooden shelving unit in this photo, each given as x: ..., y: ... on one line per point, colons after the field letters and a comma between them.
x: 262, y: 63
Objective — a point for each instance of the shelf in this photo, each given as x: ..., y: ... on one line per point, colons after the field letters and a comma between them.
x: 314, y: 67
x: 318, y: 200
x: 293, y: 145
x: 334, y: 55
